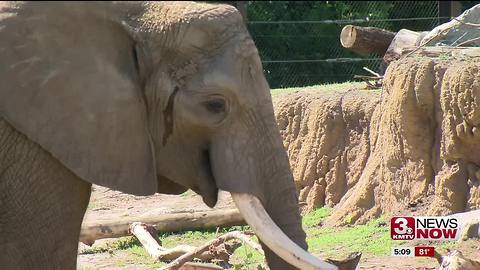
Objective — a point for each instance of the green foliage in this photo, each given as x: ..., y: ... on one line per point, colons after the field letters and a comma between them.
x: 316, y: 37
x: 84, y: 268
x: 246, y: 258
x: 121, y: 243
x: 348, y: 219
x: 444, y: 56
x: 92, y: 205
x: 140, y: 256
x: 188, y: 193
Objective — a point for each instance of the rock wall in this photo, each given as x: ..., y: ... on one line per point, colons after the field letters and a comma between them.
x: 412, y: 148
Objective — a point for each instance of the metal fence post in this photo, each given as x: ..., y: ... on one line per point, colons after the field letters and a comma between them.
x: 444, y: 11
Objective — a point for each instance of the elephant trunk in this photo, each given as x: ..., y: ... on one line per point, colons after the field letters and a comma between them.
x: 251, y: 163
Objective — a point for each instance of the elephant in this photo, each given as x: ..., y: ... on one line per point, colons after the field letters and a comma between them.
x: 140, y: 97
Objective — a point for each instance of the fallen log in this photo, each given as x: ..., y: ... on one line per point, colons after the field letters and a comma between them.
x: 403, y: 39
x: 147, y: 235
x: 92, y: 231
x: 455, y: 260
x: 366, y: 40
x: 180, y: 261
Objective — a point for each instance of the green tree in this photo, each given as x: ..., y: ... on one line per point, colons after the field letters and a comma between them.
x: 301, y: 31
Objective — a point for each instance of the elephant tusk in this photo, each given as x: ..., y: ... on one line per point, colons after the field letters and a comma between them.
x: 265, y: 228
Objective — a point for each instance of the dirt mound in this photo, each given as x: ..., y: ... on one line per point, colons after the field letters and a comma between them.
x: 326, y: 134
x: 413, y: 148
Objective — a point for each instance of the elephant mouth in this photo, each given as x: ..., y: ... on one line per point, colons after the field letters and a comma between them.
x: 207, y: 186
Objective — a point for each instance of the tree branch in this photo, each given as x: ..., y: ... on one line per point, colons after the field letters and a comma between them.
x: 213, y: 243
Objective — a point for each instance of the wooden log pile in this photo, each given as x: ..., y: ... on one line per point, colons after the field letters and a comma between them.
x: 366, y: 40
x: 394, y: 46
x: 372, y: 40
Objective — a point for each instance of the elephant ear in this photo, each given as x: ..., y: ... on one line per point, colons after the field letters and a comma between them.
x: 71, y: 84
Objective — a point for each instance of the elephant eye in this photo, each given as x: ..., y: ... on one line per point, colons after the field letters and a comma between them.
x: 215, y: 105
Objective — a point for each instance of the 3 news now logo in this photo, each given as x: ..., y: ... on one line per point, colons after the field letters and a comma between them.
x: 424, y: 228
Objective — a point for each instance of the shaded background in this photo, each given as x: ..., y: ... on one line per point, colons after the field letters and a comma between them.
x: 299, y: 41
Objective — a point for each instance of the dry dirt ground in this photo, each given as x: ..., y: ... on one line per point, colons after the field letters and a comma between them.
x: 106, y: 204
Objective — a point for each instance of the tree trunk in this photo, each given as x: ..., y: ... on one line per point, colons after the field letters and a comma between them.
x: 366, y: 40
x: 404, y: 39
x: 164, y: 223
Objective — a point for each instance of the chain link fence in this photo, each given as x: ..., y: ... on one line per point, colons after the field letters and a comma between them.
x: 299, y: 41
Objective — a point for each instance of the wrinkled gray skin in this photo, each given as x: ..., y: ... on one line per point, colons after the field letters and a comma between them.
x: 139, y: 97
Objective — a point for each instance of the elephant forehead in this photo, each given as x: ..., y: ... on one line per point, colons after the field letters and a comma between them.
x: 164, y: 15
x: 219, y: 79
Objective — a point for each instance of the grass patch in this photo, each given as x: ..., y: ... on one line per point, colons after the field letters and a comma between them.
x: 91, y: 205
x: 84, y: 268
x: 314, y: 218
x: 372, y: 238
x: 137, y: 255
x: 187, y: 194
x: 121, y: 243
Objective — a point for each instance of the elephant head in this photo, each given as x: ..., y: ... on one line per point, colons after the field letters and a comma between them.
x: 154, y: 97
